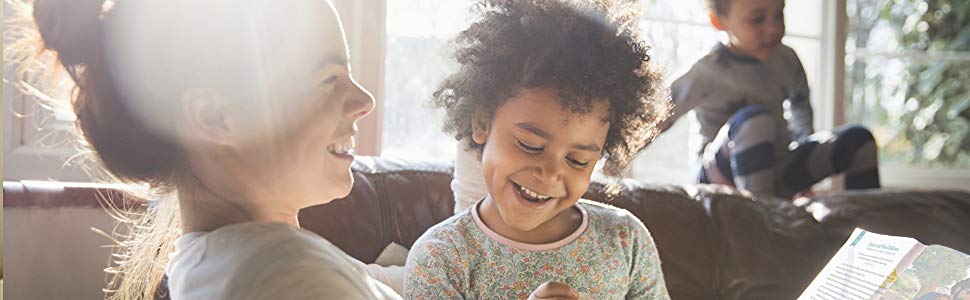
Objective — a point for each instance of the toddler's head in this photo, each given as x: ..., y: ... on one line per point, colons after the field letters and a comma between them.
x: 546, y: 89
x: 754, y: 27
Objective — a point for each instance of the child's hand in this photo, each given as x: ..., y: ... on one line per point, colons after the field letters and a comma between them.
x: 554, y: 290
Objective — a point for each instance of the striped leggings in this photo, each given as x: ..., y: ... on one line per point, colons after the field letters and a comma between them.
x: 744, y: 152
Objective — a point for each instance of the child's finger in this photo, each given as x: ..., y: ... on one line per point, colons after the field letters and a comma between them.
x: 554, y: 290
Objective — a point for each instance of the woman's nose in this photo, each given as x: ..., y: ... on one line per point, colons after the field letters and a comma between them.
x: 359, y: 102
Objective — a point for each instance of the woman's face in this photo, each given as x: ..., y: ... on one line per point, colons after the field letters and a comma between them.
x: 304, y: 150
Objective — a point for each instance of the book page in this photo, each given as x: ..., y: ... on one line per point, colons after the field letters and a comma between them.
x: 939, y: 273
x: 863, y: 268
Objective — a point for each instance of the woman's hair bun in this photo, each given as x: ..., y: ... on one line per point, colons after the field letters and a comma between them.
x: 70, y: 27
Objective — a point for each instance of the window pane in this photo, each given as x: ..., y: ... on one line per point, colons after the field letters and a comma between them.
x: 416, y: 61
x: 918, y: 112
x: 907, y: 68
x: 804, y: 17
x: 694, y: 11
x: 680, y: 34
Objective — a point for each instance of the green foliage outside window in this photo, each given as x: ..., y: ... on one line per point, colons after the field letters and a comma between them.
x: 917, y: 105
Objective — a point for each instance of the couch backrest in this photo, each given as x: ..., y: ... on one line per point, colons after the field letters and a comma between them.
x: 396, y: 201
x: 715, y: 243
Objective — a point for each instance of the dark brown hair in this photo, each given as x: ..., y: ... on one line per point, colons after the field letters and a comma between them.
x: 125, y: 146
x: 585, y: 50
x: 720, y: 7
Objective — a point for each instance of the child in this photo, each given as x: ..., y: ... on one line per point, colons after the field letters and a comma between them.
x: 545, y: 90
x: 737, y: 92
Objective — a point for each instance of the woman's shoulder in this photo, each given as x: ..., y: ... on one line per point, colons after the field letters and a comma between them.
x: 266, y: 239
x: 263, y: 245
x: 282, y: 259
x: 254, y: 259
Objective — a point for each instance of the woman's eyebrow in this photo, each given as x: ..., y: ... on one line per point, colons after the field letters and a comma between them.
x: 333, y: 60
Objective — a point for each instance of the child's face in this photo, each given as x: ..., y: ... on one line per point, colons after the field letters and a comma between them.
x: 754, y: 27
x: 538, y: 158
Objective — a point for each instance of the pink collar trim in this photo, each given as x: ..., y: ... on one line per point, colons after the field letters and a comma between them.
x: 526, y: 246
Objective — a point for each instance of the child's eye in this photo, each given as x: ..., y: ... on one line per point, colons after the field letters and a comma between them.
x: 577, y: 163
x: 529, y: 149
x: 758, y: 20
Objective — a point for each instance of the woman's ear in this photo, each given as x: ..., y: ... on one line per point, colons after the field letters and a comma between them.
x: 480, y: 127
x: 204, y: 117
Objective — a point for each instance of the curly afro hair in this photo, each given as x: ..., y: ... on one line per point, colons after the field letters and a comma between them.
x: 586, y: 50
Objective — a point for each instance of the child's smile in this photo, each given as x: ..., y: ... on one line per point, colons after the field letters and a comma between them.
x: 529, y: 197
x: 537, y: 160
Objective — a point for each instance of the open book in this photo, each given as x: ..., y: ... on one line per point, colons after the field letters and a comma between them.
x: 872, y: 266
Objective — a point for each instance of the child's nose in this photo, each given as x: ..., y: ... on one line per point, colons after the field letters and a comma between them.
x: 549, y: 171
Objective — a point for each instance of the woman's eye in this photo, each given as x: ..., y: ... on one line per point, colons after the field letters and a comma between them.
x: 529, y: 149
x: 329, y: 80
x: 577, y: 163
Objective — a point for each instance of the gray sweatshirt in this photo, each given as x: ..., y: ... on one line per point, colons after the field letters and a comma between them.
x: 721, y: 83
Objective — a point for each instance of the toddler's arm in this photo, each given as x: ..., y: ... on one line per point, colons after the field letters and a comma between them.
x: 689, y: 91
x: 799, y: 102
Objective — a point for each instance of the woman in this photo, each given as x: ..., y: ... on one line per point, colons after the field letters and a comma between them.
x: 239, y: 112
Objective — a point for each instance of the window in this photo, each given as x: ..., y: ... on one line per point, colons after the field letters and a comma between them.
x: 907, y: 68
x: 680, y: 34
x: 416, y: 60
x: 39, y: 139
x: 678, y: 31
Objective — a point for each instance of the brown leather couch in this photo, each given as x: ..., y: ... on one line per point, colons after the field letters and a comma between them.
x: 715, y: 243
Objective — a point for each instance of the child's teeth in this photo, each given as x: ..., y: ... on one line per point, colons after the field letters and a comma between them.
x: 533, y: 194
